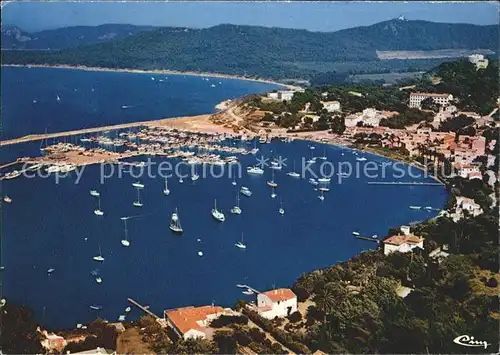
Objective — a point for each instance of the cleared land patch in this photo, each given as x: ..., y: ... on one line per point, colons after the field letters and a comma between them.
x: 440, y: 53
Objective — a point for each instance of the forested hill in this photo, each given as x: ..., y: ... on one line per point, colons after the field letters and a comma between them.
x: 261, y: 51
x: 68, y: 37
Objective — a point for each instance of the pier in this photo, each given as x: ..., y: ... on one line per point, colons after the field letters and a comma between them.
x: 375, y: 240
x: 162, y: 321
x: 402, y: 183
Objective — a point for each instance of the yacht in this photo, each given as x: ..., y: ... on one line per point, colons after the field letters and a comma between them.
x: 324, y: 179
x: 324, y: 188
x: 94, y: 193
x: 272, y: 183
x: 321, y: 196
x: 415, y: 207
x: 313, y: 181
x: 361, y: 159
x: 281, y: 210
x: 58, y: 98
x: 99, y: 257
x: 240, y: 244
x: 50, y: 271
x: 245, y: 191
x: 255, y: 170
x: 195, y: 177
x: 356, y: 234
x: 125, y: 242
x: 128, y: 309
x: 138, y: 202
x: 98, y: 279
x: 7, y: 199
x: 138, y: 185
x: 236, y: 209
x: 262, y: 140
x: 166, y: 191
x: 375, y: 236
x: 181, y: 181
x: 293, y: 173
x: 234, y: 182
x: 95, y: 307
x: 98, y: 211
x: 273, y: 194
x: 175, y: 223
x: 276, y: 165
x: 218, y: 215
x: 324, y: 155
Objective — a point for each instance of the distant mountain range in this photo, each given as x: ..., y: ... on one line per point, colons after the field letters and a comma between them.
x: 257, y: 51
x: 68, y: 37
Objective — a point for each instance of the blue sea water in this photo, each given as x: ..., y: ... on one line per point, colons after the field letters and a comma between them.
x: 46, y: 225
x: 93, y: 99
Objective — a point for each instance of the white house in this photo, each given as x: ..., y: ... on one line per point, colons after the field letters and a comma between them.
x: 331, y: 106
x: 402, y: 243
x: 478, y: 60
x: 469, y: 205
x: 416, y: 98
x: 369, y: 116
x: 468, y: 171
x: 272, y: 95
x: 276, y: 303
x: 285, y: 95
x: 191, y: 322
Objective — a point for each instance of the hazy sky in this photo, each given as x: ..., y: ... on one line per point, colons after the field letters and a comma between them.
x: 314, y: 16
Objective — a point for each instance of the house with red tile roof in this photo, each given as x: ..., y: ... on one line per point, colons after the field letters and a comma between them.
x: 192, y: 322
x: 276, y: 303
x: 403, y: 243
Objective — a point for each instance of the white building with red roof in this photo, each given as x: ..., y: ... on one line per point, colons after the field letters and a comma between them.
x: 276, y: 303
x: 192, y: 322
x: 403, y: 243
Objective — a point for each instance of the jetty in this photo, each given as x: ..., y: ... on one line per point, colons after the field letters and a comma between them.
x: 403, y: 183
x: 162, y: 321
x: 375, y: 240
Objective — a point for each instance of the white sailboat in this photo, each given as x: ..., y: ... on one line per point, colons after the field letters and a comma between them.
x: 125, y: 242
x: 240, y: 244
x: 98, y: 211
x: 58, y: 98
x: 195, y: 176
x: 138, y: 185
x: 166, y: 191
x: 234, y: 181
x: 94, y: 193
x: 273, y: 194
x: 99, y: 257
x: 321, y: 196
x: 236, y: 209
x: 175, y: 223
x: 218, y: 215
x: 324, y: 155
x: 272, y: 183
x: 281, y: 210
x: 138, y: 202
x: 293, y: 173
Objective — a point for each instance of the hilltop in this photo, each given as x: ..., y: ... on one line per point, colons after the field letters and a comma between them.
x: 15, y: 38
x: 273, y: 52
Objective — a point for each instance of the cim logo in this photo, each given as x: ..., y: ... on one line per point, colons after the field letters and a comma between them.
x: 467, y: 340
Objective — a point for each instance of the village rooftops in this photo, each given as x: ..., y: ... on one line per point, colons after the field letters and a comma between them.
x: 280, y: 294
x: 402, y: 239
x: 429, y: 94
x: 187, y: 318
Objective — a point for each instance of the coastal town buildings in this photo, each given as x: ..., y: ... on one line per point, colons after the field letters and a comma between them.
x: 465, y: 205
x: 276, y: 303
x: 331, y: 106
x: 192, y: 322
x: 479, y: 61
x: 369, y: 117
x: 416, y: 99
